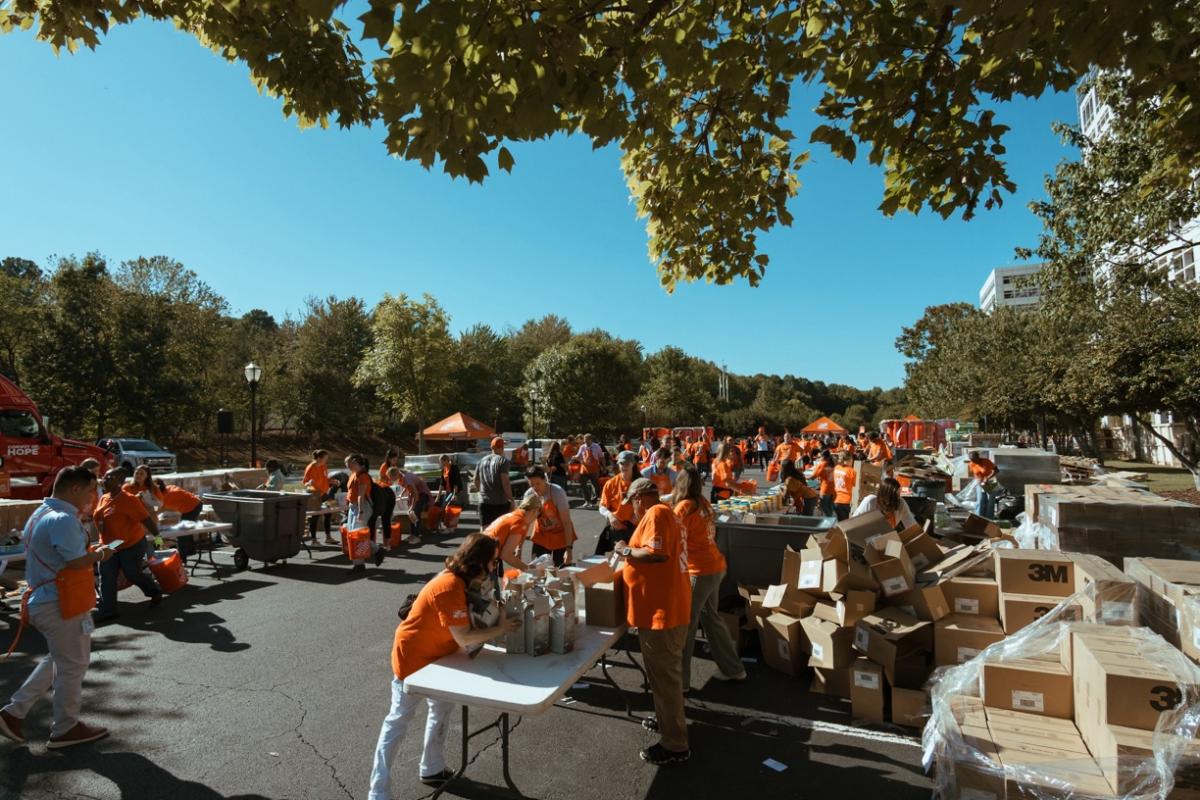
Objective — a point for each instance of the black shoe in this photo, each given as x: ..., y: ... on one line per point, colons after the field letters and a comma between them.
x: 100, y: 619
x: 661, y: 755
x: 358, y: 568
x: 379, y: 554
x: 438, y: 779
x: 154, y: 601
x: 650, y: 724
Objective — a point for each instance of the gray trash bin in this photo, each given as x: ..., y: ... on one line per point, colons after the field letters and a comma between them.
x: 267, y: 526
x: 754, y: 552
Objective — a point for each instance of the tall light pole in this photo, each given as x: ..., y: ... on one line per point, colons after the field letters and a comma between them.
x: 253, y: 376
x: 533, y: 398
x: 643, y: 420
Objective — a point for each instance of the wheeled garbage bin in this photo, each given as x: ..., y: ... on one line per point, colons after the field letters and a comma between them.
x: 267, y: 526
x: 754, y: 551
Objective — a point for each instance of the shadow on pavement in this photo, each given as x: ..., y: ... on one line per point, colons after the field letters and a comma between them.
x: 137, y: 777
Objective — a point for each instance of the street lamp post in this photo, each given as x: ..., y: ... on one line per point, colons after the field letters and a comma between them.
x: 533, y: 398
x: 253, y: 374
x: 643, y: 418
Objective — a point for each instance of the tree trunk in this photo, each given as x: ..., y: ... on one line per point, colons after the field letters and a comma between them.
x: 420, y: 435
x: 1189, y: 459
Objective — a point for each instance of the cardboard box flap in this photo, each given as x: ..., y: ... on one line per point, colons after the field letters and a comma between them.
x: 861, y: 529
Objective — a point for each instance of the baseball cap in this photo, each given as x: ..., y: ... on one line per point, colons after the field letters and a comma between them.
x: 641, y: 486
x: 626, y: 455
x: 497, y: 442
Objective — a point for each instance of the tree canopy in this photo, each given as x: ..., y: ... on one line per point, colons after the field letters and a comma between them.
x: 695, y: 95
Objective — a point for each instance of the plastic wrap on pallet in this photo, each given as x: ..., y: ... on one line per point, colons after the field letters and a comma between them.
x: 962, y: 764
x: 967, y: 497
x: 1034, y: 535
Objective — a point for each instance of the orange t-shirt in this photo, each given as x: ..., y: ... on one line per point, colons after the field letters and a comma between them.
x: 844, y: 479
x: 699, y: 452
x: 983, y: 470
x: 827, y: 486
x: 358, y: 487
x: 799, y: 490
x: 520, y: 457
x: 318, y: 476
x: 384, y: 480
x: 424, y: 635
x: 658, y: 595
x: 569, y: 451
x: 133, y: 490
x: 120, y: 516
x: 787, y: 451
x: 507, y: 525
x: 662, y: 481
x: 612, y: 497
x: 722, y: 476
x: 700, y: 528
x: 176, y: 498
x: 549, y: 531
x: 878, y: 452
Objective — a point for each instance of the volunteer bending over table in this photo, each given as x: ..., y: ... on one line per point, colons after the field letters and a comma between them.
x: 555, y: 531
x: 890, y: 503
x: 437, y: 625
x: 511, y: 530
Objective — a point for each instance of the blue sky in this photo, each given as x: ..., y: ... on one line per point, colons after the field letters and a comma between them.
x: 153, y: 145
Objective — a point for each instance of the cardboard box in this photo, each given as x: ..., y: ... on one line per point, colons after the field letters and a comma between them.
x: 979, y: 596
x: 830, y: 645
x: 784, y: 646
x: 956, y: 562
x: 926, y: 603
x: 809, y: 573
x: 910, y: 707
x: 960, y: 637
x: 862, y: 529
x: 788, y: 599
x: 590, y: 570
x: 1166, y: 597
x: 831, y: 682
x: 866, y: 481
x: 890, y: 564
x: 1109, y: 595
x: 923, y: 551
x: 1118, y: 688
x: 894, y: 640
x: 1126, y: 757
x: 604, y: 603
x: 868, y: 688
x: 1037, y: 572
x: 1018, y: 610
x: 854, y: 605
x: 755, y: 613
x: 1029, y: 686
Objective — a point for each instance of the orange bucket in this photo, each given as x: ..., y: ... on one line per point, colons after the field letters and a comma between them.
x: 358, y: 543
x: 168, y: 570
x: 450, y: 517
x: 397, y: 534
x: 433, y: 515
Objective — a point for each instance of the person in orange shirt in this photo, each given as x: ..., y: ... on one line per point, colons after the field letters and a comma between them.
x: 569, y: 448
x: 983, y: 470
x: 735, y: 457
x: 658, y: 601
x: 700, y: 454
x: 316, y: 481
x: 390, y: 459
x: 510, y: 530
x: 176, y: 498
x: 437, y: 624
x: 555, y: 530
x: 823, y: 473
x: 143, y: 487
x: 706, y: 568
x: 623, y: 443
x: 877, y: 449
x: 803, y: 496
x: 788, y: 450
x: 614, y: 507
x: 844, y: 478
x: 661, y: 473
x: 520, y: 456
x: 724, y: 482
x: 122, y: 515
x: 359, y: 509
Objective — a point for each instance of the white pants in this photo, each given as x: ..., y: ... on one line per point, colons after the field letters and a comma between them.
x: 395, y: 725
x: 70, y: 645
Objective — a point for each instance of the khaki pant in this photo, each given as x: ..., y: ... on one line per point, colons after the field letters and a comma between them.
x: 70, y: 645
x: 705, y: 589
x: 662, y: 651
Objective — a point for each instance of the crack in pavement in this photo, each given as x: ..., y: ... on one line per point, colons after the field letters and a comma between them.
x: 324, y: 760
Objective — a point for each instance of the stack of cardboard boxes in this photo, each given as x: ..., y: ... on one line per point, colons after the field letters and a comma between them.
x: 1168, y: 600
x: 1113, y: 521
x: 1075, y: 722
x: 871, y: 611
x: 15, y: 513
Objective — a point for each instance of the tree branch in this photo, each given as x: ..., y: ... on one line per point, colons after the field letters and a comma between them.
x: 939, y: 41
x: 1190, y: 463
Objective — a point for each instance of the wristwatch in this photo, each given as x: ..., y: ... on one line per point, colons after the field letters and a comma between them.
x: 625, y: 551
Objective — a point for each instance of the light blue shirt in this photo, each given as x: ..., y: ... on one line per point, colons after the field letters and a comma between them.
x: 652, y: 470
x: 53, y: 535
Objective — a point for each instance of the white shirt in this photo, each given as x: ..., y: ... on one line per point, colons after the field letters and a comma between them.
x: 904, y: 516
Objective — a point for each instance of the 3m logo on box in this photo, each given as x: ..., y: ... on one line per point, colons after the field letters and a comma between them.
x: 866, y: 680
x: 1048, y: 573
x: 1165, y: 698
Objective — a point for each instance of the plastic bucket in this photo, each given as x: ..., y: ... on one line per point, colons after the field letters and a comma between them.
x: 168, y: 570
x: 450, y: 517
x: 358, y: 544
x: 433, y: 515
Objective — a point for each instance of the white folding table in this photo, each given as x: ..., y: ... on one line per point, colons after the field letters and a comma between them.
x: 510, y: 684
x: 175, y: 532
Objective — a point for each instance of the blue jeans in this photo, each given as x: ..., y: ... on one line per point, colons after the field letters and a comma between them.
x: 986, y: 505
x: 827, y: 505
x: 131, y: 562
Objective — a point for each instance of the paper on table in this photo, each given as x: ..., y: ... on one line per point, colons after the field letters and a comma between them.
x: 775, y: 765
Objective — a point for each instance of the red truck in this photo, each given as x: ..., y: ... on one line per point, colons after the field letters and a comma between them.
x: 30, y: 456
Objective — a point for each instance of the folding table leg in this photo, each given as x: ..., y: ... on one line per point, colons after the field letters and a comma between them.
x: 504, y: 729
x: 462, y: 767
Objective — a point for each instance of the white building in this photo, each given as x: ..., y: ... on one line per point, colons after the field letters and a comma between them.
x: 1004, y: 287
x: 1179, y: 265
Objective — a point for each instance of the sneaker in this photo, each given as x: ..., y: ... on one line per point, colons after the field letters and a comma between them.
x: 156, y: 600
x: 379, y: 555
x: 331, y: 541
x: 412, y: 539
x: 437, y: 779
x: 358, y: 568
x: 80, y: 734
x: 650, y: 724
x: 657, y: 754
x: 721, y: 676
x: 10, y: 727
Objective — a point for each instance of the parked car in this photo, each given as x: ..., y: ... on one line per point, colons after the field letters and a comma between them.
x: 133, y: 453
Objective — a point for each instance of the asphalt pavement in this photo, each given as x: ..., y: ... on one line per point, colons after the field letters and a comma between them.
x: 273, y: 683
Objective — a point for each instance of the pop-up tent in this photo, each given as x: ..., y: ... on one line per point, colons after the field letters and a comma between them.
x: 459, y: 427
x: 823, y: 425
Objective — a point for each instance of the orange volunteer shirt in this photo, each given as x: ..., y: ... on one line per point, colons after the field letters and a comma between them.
x: 658, y: 595
x: 358, y: 487
x: 612, y: 497
x: 549, y: 531
x: 176, y: 498
x: 506, y: 525
x: 787, y: 451
x: 424, y: 636
x: 120, y: 516
x: 827, y: 486
x: 134, y: 491
x: 799, y: 490
x: 723, y: 475
x: 844, y: 479
x: 318, y: 476
x: 983, y: 470
x: 700, y: 530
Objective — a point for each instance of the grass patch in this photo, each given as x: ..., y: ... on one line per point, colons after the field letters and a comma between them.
x: 1161, y: 479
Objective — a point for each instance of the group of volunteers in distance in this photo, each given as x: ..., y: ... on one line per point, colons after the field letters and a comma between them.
x: 659, y: 516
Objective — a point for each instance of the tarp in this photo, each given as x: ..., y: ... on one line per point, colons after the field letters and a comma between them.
x: 823, y: 425
x: 459, y: 426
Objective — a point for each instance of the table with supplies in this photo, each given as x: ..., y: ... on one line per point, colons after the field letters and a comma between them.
x: 183, y: 530
x: 510, y: 684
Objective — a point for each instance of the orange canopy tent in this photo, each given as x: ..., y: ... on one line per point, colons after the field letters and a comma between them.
x: 459, y: 426
x: 823, y: 425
